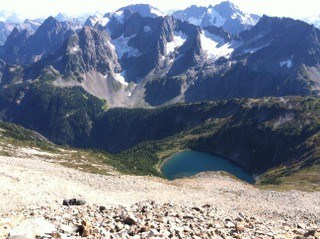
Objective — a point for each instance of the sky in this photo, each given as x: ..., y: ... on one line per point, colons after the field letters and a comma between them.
x: 44, y: 8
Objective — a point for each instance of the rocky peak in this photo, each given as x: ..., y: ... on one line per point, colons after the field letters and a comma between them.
x: 49, y: 23
x: 25, y: 48
x: 225, y: 15
x: 88, y: 50
x: 145, y: 10
x: 218, y: 31
x: 226, y: 8
x: 12, y: 50
x: 192, y: 11
x: 61, y: 17
x: 91, y: 21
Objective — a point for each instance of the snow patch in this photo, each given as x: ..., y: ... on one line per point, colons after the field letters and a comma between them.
x: 253, y: 50
x: 120, y: 45
x: 119, y: 16
x: 214, y: 46
x: 147, y: 28
x: 288, y: 63
x: 35, y: 151
x: 215, y: 18
x: 234, y: 16
x: 179, y: 39
x: 76, y: 48
x: 157, y: 12
x: 120, y: 78
x: 34, y: 22
x: 195, y: 21
x: 104, y: 21
x: 246, y: 19
x: 99, y: 18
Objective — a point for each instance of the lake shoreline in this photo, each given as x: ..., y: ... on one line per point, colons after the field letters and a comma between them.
x: 163, y: 161
x: 188, y: 163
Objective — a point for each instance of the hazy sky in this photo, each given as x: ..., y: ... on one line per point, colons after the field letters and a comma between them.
x: 36, y: 8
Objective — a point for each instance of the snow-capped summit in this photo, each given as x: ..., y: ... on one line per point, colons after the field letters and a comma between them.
x: 145, y: 10
x: 75, y: 22
x: 225, y: 15
x: 9, y: 17
x: 92, y: 20
x: 61, y: 17
x: 315, y: 20
x: 120, y: 15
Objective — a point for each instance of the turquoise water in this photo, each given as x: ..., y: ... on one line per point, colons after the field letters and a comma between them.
x: 189, y: 163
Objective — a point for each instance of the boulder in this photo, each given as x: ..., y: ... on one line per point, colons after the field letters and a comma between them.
x: 73, y: 202
x: 240, y: 227
x: 86, y: 228
x: 33, y: 228
x: 130, y: 220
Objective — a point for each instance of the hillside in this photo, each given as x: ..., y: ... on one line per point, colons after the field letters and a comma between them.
x: 33, y: 191
x: 278, y: 136
x: 95, y: 109
x: 36, y: 175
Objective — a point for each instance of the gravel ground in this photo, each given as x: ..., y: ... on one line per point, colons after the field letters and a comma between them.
x: 33, y: 183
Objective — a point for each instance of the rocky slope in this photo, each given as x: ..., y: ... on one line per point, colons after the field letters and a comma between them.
x: 202, y: 207
x: 34, y: 183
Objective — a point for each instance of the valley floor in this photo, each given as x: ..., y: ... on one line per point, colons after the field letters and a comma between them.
x: 28, y: 183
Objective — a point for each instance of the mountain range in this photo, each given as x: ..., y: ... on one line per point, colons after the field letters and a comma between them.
x: 225, y: 15
x: 132, y: 60
x: 60, y: 76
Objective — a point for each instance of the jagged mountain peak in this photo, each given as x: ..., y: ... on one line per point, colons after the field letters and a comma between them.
x: 61, y: 17
x: 50, y: 22
x: 145, y: 10
x: 27, y: 48
x: 9, y: 17
x: 227, y: 5
x: 226, y: 15
x: 187, y: 62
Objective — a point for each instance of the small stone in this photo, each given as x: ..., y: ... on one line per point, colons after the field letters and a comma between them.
x: 102, y: 208
x: 86, y: 228
x: 310, y: 232
x: 240, y: 227
x: 301, y: 225
x: 119, y: 226
x: 56, y: 235
x: 144, y: 229
x: 229, y: 224
x: 160, y: 219
x: 188, y: 217
x: 130, y: 220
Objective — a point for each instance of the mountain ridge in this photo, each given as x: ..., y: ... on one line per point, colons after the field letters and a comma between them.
x: 189, y: 63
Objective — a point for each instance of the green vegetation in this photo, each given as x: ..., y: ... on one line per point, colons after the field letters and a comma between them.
x: 63, y: 115
x: 275, y: 138
x: 18, y: 136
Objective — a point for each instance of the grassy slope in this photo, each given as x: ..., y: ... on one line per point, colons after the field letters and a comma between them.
x: 254, y: 120
x: 15, y: 141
